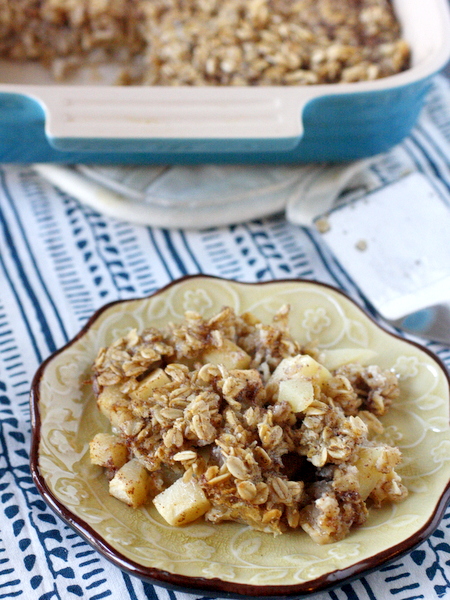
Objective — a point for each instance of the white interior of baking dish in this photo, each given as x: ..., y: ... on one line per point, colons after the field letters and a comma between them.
x: 89, y: 107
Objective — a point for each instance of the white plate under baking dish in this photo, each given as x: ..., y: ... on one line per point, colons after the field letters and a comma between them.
x: 43, y: 121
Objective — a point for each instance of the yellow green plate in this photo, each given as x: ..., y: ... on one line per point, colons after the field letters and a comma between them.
x: 231, y: 559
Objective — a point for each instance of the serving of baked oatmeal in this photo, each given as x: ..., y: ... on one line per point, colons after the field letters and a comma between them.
x: 209, y: 42
x: 231, y: 419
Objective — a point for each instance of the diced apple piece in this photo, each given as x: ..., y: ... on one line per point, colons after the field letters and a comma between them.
x: 110, y: 398
x: 107, y: 450
x: 303, y: 366
x: 155, y: 379
x: 229, y: 355
x: 294, y: 380
x: 182, y: 502
x: 333, y: 359
x: 131, y: 484
x: 368, y: 474
x: 115, y: 406
x: 299, y: 393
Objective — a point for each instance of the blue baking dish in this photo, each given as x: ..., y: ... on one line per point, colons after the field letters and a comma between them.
x: 41, y: 121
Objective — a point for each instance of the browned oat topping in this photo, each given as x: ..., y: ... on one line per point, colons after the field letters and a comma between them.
x: 233, y: 419
x: 210, y: 42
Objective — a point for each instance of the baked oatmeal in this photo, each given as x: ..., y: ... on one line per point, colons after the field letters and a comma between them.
x: 231, y: 419
x: 209, y: 42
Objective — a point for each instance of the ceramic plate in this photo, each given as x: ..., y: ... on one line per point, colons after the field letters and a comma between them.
x: 231, y: 559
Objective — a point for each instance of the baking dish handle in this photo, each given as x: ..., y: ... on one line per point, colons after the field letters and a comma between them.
x: 172, y: 119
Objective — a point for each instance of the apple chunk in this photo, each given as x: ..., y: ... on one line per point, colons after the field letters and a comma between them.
x: 229, y: 354
x: 154, y: 380
x: 107, y: 450
x: 368, y: 473
x: 299, y: 393
x: 131, y: 484
x: 111, y: 399
x: 301, y: 365
x: 182, y: 502
x: 294, y: 380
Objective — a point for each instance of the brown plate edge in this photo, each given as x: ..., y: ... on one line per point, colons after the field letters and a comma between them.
x: 198, y: 584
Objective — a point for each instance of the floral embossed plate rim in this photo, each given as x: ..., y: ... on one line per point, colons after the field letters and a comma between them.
x: 244, y: 563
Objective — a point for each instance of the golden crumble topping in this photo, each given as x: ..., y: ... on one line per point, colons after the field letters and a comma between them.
x: 232, y: 419
x: 209, y: 42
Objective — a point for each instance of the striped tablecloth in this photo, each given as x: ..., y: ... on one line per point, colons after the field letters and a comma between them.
x: 60, y: 261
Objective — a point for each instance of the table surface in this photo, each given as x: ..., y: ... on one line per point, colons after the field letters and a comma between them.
x: 61, y: 260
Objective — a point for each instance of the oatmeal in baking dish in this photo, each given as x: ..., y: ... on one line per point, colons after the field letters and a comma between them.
x: 209, y: 42
x: 231, y: 419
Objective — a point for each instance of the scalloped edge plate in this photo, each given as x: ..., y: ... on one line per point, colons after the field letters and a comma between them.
x: 229, y: 559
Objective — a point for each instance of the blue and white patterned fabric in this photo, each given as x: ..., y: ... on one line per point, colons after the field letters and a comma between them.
x: 60, y: 261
